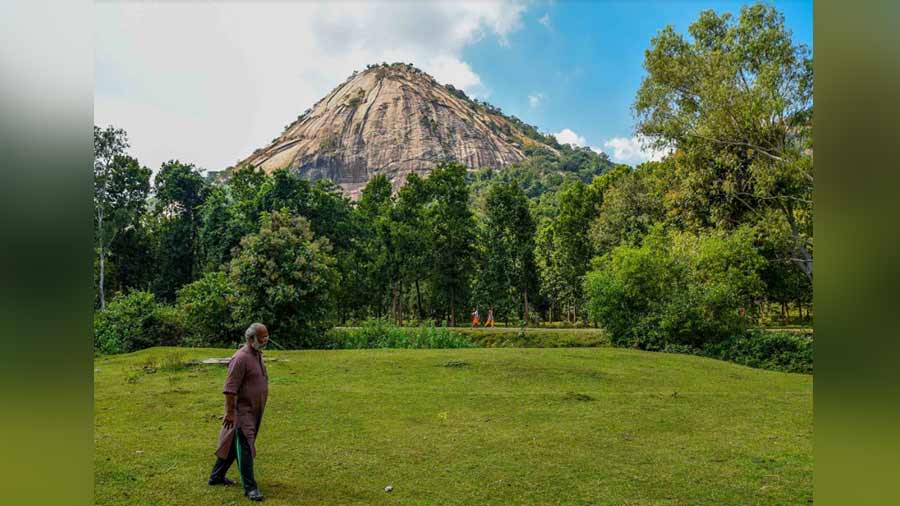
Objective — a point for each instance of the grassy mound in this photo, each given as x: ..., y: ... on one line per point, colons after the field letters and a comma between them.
x: 461, y: 426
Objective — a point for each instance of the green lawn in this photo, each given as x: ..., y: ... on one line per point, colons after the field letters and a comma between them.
x: 470, y: 427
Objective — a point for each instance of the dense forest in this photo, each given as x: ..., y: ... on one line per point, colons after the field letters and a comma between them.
x: 689, y: 251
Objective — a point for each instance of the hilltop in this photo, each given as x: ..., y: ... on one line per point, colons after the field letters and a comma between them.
x: 394, y: 120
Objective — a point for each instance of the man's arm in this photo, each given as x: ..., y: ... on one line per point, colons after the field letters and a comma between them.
x: 232, y: 385
x: 229, y: 418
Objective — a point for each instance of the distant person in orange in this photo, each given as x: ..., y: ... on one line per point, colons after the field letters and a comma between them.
x: 490, y: 317
x: 475, y: 318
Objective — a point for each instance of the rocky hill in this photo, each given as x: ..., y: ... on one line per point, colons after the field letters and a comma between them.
x: 394, y: 120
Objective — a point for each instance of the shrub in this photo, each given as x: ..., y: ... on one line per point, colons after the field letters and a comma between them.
x: 511, y: 337
x: 380, y: 333
x: 777, y: 351
x: 134, y: 321
x: 284, y: 278
x: 206, y: 305
x: 676, y: 289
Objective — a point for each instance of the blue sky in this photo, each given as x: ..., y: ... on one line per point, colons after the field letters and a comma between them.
x: 584, y: 61
x: 209, y: 82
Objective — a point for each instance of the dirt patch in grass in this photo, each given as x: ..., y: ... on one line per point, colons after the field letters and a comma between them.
x: 575, y: 396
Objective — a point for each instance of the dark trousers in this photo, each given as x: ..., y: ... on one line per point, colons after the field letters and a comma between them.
x: 245, y: 462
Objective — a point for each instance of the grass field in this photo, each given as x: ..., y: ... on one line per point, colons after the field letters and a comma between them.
x: 461, y: 427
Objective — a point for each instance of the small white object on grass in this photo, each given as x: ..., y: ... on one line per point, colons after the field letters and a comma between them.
x: 388, y: 488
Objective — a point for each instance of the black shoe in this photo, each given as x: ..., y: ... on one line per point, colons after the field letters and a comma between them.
x: 223, y: 481
x: 254, y: 495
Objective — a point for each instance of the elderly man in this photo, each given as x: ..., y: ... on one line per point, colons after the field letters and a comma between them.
x: 246, y: 390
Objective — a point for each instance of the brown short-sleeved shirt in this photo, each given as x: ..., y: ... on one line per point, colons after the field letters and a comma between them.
x: 248, y: 381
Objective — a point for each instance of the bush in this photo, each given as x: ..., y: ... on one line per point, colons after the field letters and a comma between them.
x: 134, y: 321
x: 380, y: 333
x: 284, y: 278
x: 511, y: 337
x: 206, y: 305
x: 676, y: 289
x: 777, y: 351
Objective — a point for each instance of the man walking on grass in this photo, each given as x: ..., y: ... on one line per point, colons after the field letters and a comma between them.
x: 246, y: 390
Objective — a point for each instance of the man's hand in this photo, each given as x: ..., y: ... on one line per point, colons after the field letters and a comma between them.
x: 229, y: 418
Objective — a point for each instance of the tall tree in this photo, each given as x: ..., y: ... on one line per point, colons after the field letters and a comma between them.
x: 735, y: 101
x: 179, y: 191
x: 451, y: 226
x: 379, y: 268
x: 548, y: 266
x: 578, y: 207
x: 631, y: 204
x: 412, y: 239
x: 507, y: 238
x: 220, y: 230
x: 120, y: 191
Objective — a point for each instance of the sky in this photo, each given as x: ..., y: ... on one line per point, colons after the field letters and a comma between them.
x: 207, y: 83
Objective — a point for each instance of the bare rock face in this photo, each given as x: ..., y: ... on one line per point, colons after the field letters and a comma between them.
x: 391, y: 120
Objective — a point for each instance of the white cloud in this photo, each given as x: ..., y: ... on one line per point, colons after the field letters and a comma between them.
x: 545, y: 20
x: 566, y: 136
x: 226, y: 77
x: 535, y: 99
x: 447, y: 69
x: 633, y: 150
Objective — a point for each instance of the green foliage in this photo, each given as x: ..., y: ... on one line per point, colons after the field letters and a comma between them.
x: 450, y: 224
x: 535, y: 337
x: 689, y: 248
x: 380, y: 333
x: 206, y: 306
x: 776, y: 351
x: 544, y: 172
x: 134, y: 321
x: 376, y: 248
x: 180, y: 191
x: 221, y: 227
x: 632, y: 204
x: 412, y: 251
x: 735, y: 101
x: 120, y: 192
x: 565, y: 249
x: 508, y: 272
x: 676, y: 288
x: 283, y: 277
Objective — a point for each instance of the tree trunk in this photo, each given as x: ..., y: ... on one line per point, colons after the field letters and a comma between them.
x: 102, y: 260
x: 802, y: 257
x: 395, y: 313
x: 526, y: 306
x: 419, y: 300
x: 452, y: 309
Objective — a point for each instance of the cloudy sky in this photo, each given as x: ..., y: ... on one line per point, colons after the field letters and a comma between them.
x: 208, y: 83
